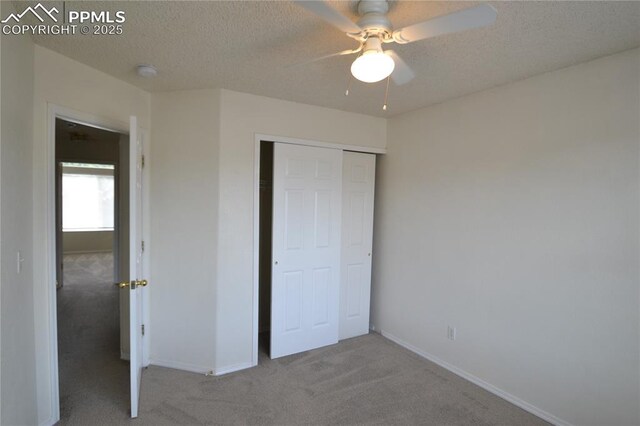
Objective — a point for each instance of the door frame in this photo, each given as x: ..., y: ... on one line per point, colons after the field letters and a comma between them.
x: 54, y: 112
x: 260, y: 137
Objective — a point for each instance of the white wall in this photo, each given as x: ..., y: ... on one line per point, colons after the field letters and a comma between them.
x: 64, y: 82
x: 184, y: 158
x: 87, y: 242
x: 242, y: 116
x: 513, y: 215
x: 17, y: 358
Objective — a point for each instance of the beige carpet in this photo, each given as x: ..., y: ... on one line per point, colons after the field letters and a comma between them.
x: 93, y: 379
x: 366, y: 380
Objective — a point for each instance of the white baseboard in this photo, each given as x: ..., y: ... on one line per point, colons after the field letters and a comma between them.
x: 124, y: 355
x: 176, y: 365
x: 232, y: 368
x: 478, y: 381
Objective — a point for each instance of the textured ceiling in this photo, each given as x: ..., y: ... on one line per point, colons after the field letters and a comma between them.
x: 249, y: 46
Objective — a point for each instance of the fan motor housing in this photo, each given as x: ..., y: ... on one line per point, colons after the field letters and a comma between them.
x: 369, y: 6
x: 374, y: 21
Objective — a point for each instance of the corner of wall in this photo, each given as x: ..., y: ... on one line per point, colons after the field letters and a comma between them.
x: 19, y: 385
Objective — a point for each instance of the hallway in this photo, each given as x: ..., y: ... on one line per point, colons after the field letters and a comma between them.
x: 91, y: 371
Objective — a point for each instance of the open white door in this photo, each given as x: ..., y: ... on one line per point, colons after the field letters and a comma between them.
x: 137, y: 283
x: 307, y: 186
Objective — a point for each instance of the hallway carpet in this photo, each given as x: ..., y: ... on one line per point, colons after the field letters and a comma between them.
x: 94, y: 381
x: 366, y: 380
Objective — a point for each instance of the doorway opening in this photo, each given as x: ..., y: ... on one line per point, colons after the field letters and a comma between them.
x: 92, y: 253
x: 265, y: 247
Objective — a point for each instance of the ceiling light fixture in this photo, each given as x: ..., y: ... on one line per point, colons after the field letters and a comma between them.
x: 373, y: 65
x: 146, y: 71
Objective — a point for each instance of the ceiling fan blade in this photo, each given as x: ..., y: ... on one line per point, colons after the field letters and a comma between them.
x: 331, y: 55
x: 330, y: 15
x: 402, y: 73
x: 474, y: 17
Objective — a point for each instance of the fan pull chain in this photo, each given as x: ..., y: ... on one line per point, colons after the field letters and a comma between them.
x: 386, y: 94
x: 346, y: 93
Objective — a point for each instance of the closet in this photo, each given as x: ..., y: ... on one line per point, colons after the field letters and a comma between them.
x: 316, y: 221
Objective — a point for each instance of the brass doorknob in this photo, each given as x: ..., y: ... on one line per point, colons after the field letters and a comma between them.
x: 123, y: 284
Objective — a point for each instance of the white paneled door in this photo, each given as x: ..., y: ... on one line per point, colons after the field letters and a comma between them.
x: 358, y: 181
x: 136, y: 285
x: 307, y: 186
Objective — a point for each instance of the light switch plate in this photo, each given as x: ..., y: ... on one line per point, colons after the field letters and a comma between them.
x: 19, y: 260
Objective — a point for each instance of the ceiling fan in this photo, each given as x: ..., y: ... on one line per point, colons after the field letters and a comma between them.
x: 374, y: 29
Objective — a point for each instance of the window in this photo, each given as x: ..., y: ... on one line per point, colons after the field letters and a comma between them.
x: 87, y: 197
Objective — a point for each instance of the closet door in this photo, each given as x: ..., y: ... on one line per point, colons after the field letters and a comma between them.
x: 358, y: 182
x: 307, y: 186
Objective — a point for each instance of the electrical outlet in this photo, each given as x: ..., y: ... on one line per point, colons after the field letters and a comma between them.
x: 451, y: 333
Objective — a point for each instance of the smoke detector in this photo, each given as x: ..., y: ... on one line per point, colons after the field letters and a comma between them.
x: 146, y: 71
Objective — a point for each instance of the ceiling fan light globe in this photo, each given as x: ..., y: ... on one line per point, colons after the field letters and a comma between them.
x: 372, y: 66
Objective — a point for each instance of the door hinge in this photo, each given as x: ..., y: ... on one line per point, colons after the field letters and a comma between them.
x: 142, y: 247
x: 142, y: 161
x: 143, y: 329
